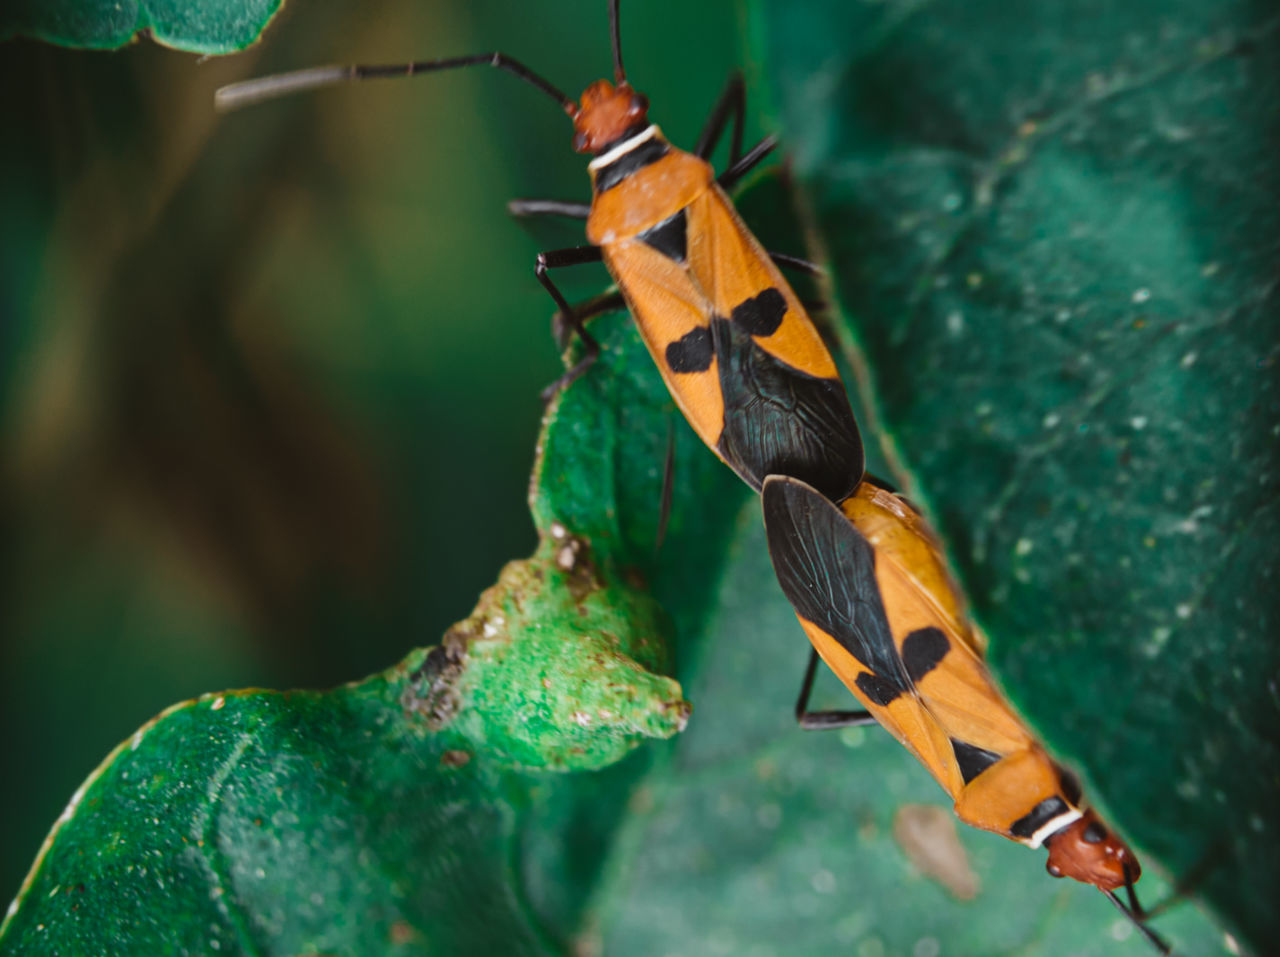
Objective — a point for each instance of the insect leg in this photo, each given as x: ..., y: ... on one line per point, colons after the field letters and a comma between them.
x: 554, y: 259
x: 595, y: 306
x: 812, y: 306
x: 729, y: 178
x: 823, y: 720
x: 1139, y: 920
x: 732, y: 100
x: 795, y: 262
x: 548, y: 207
x: 1186, y: 884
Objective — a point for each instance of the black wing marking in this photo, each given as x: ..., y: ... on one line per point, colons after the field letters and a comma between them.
x: 760, y: 315
x: 692, y: 352
x: 669, y: 237
x: 973, y: 760
x: 781, y: 421
x: 827, y: 571
x: 923, y: 650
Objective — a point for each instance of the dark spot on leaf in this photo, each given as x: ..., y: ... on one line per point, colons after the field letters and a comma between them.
x: 455, y: 758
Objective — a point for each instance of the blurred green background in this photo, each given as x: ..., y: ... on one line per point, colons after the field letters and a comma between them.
x: 270, y: 380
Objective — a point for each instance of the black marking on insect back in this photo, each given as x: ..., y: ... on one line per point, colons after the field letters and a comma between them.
x: 781, y: 421
x: 646, y: 154
x: 1039, y: 815
x: 828, y: 572
x: 877, y: 689
x: 631, y: 132
x: 761, y: 315
x: 669, y: 237
x: 1094, y: 833
x: 972, y: 759
x: 923, y: 650
x: 692, y: 352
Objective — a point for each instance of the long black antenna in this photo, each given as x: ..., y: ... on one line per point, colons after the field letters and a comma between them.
x: 1155, y: 939
x: 619, y: 74
x: 248, y: 92
x: 1136, y: 913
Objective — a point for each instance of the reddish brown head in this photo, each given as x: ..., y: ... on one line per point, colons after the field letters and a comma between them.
x: 606, y: 114
x: 1091, y: 854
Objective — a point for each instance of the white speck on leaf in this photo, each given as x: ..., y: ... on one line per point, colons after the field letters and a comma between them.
x: 926, y: 947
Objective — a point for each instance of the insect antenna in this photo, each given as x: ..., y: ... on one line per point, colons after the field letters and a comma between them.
x: 1136, y: 914
x: 619, y: 74
x: 247, y: 92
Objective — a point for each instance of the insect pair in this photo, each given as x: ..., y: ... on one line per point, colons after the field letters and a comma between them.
x: 751, y: 373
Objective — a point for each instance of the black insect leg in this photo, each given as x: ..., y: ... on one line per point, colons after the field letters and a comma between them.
x: 555, y: 259
x: 588, y: 309
x: 1137, y: 915
x: 813, y: 307
x: 824, y: 720
x: 795, y: 262
x: 549, y: 207
x: 733, y: 101
x: 729, y: 178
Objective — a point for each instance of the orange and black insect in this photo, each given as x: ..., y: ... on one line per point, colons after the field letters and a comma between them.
x: 869, y: 586
x: 732, y: 340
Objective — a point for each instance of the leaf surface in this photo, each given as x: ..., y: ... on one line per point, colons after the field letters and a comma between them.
x: 215, y: 26
x: 1055, y: 232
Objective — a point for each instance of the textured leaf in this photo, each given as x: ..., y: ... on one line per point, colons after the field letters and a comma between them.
x: 213, y: 26
x: 1056, y: 230
x: 258, y: 819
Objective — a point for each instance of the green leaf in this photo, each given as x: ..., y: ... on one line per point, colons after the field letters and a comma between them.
x: 215, y: 26
x: 257, y: 818
x: 1055, y: 228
